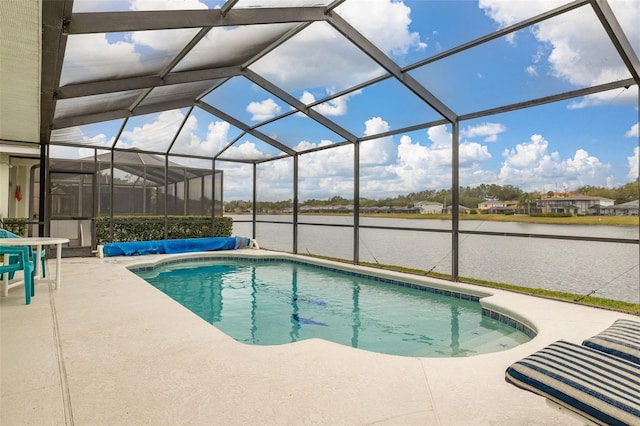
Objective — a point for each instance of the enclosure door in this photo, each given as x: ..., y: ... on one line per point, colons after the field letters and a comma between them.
x: 72, y: 207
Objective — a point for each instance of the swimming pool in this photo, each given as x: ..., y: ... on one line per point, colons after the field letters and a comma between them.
x: 278, y: 301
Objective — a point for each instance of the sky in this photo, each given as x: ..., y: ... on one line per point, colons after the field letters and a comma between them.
x: 591, y: 140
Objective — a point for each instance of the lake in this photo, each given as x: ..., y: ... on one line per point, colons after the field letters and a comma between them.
x: 607, y: 269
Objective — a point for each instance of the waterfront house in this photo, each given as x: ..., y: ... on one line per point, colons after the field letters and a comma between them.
x: 461, y: 209
x: 575, y: 204
x: 498, y: 207
x: 491, y: 204
x: 624, y: 209
x: 428, y: 207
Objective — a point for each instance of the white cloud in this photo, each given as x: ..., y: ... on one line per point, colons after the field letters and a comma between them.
x: 420, y: 166
x: 107, y: 59
x: 334, y: 107
x: 380, y: 151
x: 215, y: 140
x: 69, y: 152
x: 263, y: 110
x: 530, y: 166
x: 385, y: 169
x: 217, y: 136
x: 386, y: 24
x: 602, y: 98
x: 508, y: 12
x: 236, y: 176
x: 319, y: 57
x: 76, y: 135
x: 326, y: 173
x: 153, y: 135
x: 375, y: 126
x: 246, y: 149
x: 632, y: 132
x: 581, y: 53
x: 307, y: 98
x: 472, y: 154
x: 633, y: 165
x: 489, y: 131
x: 168, y: 41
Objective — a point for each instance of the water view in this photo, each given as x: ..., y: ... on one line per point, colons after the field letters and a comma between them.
x: 602, y: 269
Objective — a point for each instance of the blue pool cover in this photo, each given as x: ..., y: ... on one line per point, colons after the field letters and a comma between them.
x: 137, y: 248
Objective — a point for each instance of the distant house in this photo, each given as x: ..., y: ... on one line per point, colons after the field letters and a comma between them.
x: 428, y: 207
x: 461, y: 209
x: 576, y: 205
x: 390, y: 210
x: 498, y: 207
x: 624, y: 209
x: 346, y: 208
x: 491, y: 204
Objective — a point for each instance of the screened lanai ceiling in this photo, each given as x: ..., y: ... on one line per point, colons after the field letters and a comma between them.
x: 241, y: 81
x: 137, y: 164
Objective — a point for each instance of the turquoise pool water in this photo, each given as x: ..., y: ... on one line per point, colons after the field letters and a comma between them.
x: 276, y: 302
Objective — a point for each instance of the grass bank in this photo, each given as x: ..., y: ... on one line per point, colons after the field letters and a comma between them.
x: 573, y: 220
x: 629, y: 221
x: 597, y: 302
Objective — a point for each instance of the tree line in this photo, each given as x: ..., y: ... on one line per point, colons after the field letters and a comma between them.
x: 469, y: 197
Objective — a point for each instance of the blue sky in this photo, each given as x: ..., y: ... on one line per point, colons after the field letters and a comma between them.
x: 565, y: 145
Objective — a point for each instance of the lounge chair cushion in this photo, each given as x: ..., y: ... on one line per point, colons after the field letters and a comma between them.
x: 597, y: 386
x: 622, y: 339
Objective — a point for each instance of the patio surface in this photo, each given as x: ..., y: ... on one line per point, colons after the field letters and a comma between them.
x: 109, y: 349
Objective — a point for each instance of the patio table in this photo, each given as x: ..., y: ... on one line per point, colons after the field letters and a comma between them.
x: 38, y: 242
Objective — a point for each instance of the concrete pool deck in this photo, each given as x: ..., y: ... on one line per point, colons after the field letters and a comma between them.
x: 109, y: 349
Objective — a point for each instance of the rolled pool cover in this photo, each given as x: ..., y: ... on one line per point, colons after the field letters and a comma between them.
x: 139, y: 248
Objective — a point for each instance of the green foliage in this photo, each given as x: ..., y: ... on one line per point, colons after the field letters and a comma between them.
x: 267, y: 207
x: 621, y: 194
x: 147, y: 228
x: 17, y: 225
x: 565, y: 214
x: 469, y: 197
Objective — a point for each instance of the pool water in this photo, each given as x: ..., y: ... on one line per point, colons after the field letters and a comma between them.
x: 278, y: 302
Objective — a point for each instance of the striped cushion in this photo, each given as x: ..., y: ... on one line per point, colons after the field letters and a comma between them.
x: 621, y: 339
x: 596, y: 385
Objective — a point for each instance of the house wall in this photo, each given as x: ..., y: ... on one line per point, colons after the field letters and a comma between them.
x: 19, y: 175
x: 573, y: 206
x: 430, y: 208
x: 4, y: 185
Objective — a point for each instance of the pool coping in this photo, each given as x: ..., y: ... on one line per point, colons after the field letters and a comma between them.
x: 107, y: 348
x: 462, y: 291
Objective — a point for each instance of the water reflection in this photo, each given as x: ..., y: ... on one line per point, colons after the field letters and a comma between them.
x: 295, y: 324
x: 455, y: 330
x: 254, y: 306
x: 355, y: 315
x: 282, y: 303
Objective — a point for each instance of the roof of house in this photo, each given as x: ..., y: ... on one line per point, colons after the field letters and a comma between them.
x: 577, y: 198
x: 628, y: 205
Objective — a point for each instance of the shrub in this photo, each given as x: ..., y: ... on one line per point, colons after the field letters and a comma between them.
x: 17, y: 225
x: 147, y: 228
